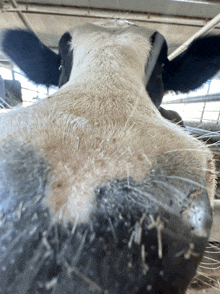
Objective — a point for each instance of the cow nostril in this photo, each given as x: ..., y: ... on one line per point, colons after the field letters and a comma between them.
x: 162, y: 223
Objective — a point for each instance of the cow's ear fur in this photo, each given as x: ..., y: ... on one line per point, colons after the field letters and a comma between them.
x: 198, y: 63
x: 39, y: 63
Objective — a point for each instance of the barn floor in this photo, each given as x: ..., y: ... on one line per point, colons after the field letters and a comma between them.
x: 206, y: 291
x: 209, y: 288
x: 209, y: 284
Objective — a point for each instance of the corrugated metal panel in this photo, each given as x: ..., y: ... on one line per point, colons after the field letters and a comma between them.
x: 166, y: 7
x: 49, y: 22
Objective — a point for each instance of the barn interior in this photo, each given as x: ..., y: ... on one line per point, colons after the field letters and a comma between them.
x: 180, y: 21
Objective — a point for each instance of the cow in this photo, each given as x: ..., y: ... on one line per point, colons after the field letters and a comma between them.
x: 171, y: 115
x: 98, y: 192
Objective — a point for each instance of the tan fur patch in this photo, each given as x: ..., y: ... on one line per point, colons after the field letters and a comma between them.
x: 102, y: 124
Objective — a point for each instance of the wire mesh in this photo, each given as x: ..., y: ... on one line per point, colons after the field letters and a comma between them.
x: 30, y: 91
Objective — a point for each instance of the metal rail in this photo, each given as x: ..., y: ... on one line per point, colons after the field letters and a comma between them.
x: 195, y: 99
x: 204, y: 134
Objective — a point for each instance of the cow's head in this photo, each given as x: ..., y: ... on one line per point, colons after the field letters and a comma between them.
x: 99, y: 193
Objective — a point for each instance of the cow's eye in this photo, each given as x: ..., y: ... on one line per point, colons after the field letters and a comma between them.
x: 59, y: 62
x: 60, y: 66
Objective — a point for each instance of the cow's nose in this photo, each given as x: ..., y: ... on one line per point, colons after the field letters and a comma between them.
x: 152, y: 234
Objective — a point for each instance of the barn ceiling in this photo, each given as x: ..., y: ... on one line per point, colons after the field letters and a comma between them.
x: 49, y: 19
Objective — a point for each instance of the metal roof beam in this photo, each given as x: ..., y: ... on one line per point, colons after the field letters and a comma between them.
x: 21, y: 15
x: 99, y: 13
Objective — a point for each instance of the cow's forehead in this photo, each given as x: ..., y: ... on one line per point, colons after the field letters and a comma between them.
x: 111, y: 28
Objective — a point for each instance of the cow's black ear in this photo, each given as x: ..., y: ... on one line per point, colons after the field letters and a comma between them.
x: 198, y: 63
x: 39, y: 63
x: 154, y: 68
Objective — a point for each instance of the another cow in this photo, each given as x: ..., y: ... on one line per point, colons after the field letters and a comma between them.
x: 171, y: 115
x: 98, y: 192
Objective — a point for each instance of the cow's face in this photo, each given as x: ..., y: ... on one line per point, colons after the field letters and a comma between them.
x: 82, y: 46
x: 100, y: 193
